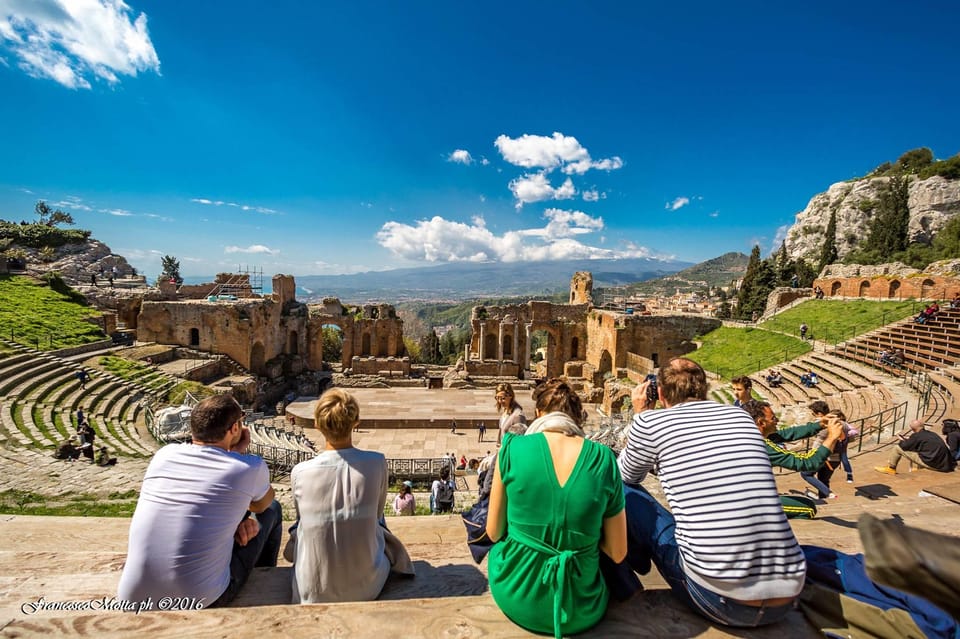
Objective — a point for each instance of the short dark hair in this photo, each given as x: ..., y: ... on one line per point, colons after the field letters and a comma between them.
x: 755, y: 408
x: 819, y: 407
x: 743, y: 379
x: 682, y: 380
x: 212, y: 418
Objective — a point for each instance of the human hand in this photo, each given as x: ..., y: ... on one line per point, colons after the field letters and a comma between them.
x: 638, y: 397
x: 246, y: 531
x: 243, y: 442
x: 834, y: 426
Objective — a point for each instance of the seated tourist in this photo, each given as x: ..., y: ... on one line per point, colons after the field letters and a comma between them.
x: 951, y: 432
x: 104, y: 459
x: 343, y: 552
x: 924, y: 450
x: 556, y: 504
x: 775, y: 379
x: 67, y: 449
x: 405, y: 503
x: 809, y: 379
x: 882, y: 357
x: 955, y: 302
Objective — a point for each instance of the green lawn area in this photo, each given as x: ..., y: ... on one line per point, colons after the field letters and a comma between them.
x: 21, y: 502
x: 834, y: 321
x: 730, y: 352
x: 33, y: 314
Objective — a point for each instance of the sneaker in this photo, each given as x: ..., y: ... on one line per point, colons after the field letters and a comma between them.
x: 812, y: 495
x: 886, y: 470
x: 832, y: 496
x: 849, y: 479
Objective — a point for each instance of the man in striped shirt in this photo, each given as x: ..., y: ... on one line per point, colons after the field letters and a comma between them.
x: 727, y: 549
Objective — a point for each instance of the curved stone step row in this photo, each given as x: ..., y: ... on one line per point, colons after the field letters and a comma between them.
x: 104, y: 393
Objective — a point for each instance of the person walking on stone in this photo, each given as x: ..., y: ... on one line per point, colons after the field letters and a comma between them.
x: 481, y: 431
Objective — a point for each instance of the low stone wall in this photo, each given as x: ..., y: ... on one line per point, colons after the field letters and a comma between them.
x: 380, y: 366
x: 85, y: 348
x: 493, y: 368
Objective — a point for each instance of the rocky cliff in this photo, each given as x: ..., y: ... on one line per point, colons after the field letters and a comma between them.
x: 932, y: 202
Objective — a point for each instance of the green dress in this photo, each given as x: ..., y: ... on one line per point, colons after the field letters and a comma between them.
x: 545, y: 573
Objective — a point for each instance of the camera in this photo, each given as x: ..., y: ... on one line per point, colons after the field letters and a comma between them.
x: 652, y: 388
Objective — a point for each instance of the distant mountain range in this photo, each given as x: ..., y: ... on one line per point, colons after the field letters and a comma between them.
x: 463, y: 280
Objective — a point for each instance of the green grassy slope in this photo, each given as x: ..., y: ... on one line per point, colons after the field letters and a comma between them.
x: 32, y: 313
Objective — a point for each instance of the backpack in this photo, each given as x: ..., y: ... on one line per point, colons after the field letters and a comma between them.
x: 445, y: 495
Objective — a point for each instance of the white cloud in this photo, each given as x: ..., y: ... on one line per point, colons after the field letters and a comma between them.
x: 548, y: 153
x: 441, y: 240
x: 242, y: 207
x: 593, y: 195
x: 117, y: 212
x: 252, y: 249
x: 779, y: 237
x: 536, y: 188
x: 678, y: 203
x: 72, y: 202
x: 460, y: 156
x: 714, y: 214
x: 69, y: 41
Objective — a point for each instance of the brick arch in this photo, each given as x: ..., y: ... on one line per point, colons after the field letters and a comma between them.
x: 575, y: 348
x: 864, y: 288
x: 894, y: 288
x: 257, y: 358
x: 835, y: 289
x: 490, y: 346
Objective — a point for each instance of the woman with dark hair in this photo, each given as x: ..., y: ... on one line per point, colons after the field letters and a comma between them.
x: 951, y: 431
x: 556, y: 504
x: 512, y: 419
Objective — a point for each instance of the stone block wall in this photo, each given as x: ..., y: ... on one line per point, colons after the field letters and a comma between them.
x: 380, y: 365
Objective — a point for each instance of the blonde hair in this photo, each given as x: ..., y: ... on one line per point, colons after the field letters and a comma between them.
x: 336, y: 414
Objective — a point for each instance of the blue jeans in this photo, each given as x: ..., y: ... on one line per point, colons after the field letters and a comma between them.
x: 651, y: 536
x: 261, y: 551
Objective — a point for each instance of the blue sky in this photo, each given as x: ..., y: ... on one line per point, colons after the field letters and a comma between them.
x: 320, y: 138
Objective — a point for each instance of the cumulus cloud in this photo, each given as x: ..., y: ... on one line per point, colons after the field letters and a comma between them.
x: 460, y: 156
x: 593, y: 195
x: 537, y: 188
x: 441, y: 240
x: 73, y: 203
x: 678, y: 203
x: 779, y: 237
x: 69, y: 41
x: 117, y: 212
x: 558, y: 150
x: 242, y: 207
x: 252, y: 249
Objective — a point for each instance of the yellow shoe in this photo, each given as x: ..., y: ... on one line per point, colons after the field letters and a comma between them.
x: 886, y: 470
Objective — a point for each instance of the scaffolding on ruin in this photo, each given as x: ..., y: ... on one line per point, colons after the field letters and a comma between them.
x: 246, y: 282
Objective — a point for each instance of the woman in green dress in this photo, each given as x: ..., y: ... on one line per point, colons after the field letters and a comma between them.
x: 556, y: 504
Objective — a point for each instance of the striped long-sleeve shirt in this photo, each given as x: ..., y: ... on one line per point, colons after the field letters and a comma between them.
x: 712, y: 462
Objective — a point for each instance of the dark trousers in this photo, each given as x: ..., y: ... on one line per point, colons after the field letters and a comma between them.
x: 261, y: 551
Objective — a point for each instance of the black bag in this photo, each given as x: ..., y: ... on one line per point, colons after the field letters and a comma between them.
x: 475, y: 521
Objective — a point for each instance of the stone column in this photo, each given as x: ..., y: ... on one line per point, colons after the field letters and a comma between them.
x: 526, y: 350
x: 482, y: 331
x: 516, y: 339
x: 500, y: 342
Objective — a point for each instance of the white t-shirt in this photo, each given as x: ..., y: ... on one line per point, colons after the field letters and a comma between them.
x: 181, y: 536
x: 340, y: 495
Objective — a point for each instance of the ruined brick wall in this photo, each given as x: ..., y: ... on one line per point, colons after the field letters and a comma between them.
x: 917, y: 285
x: 251, y: 332
x: 380, y: 366
x: 611, y: 336
x: 581, y: 288
x: 284, y: 289
x: 370, y: 331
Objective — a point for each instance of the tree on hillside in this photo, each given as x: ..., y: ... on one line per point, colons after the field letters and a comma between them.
x: 914, y: 160
x: 744, y: 310
x: 946, y: 244
x: 49, y: 217
x: 430, y: 348
x: 828, y: 252
x: 784, y: 266
x: 170, y: 269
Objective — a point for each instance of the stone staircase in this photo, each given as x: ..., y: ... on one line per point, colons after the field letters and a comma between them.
x: 62, y: 559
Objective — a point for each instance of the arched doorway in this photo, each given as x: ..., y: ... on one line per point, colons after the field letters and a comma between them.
x: 365, y: 345
x: 606, y: 363
x: 894, y: 288
x: 332, y: 348
x: 490, y: 346
x: 864, y: 288
x: 835, y: 289
x: 256, y: 358
x: 194, y: 337
x: 293, y: 343
x: 926, y: 288
x: 575, y: 348
x: 507, y: 345
x: 383, y: 349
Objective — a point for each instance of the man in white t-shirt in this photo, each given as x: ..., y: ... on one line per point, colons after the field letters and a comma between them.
x: 191, y: 535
